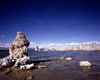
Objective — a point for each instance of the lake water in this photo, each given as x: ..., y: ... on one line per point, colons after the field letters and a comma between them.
x: 61, y: 69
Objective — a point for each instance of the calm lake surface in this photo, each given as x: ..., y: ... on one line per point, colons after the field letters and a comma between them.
x: 60, y: 69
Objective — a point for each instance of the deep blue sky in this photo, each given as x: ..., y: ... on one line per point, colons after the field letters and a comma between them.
x: 50, y: 21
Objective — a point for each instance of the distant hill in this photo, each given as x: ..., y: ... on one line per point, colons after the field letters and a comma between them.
x: 4, y: 48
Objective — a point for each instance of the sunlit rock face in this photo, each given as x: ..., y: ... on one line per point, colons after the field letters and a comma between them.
x: 7, y: 61
x: 20, y: 45
x: 28, y: 66
x: 85, y: 63
x: 68, y: 58
x: 18, y: 52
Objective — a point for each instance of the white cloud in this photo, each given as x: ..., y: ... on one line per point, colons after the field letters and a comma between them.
x: 67, y: 44
x: 43, y: 46
x: 53, y: 45
x: 32, y: 46
x: 88, y: 43
x: 94, y: 42
x: 32, y: 43
x: 7, y: 44
x: 1, y: 44
x: 72, y: 43
x: 60, y: 44
x: 3, y: 36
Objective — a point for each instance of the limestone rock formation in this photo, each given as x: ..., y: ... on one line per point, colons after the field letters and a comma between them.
x: 29, y: 66
x: 68, y: 58
x: 37, y: 49
x: 41, y: 66
x: 18, y: 52
x: 85, y: 63
x: 7, y: 61
x: 25, y: 67
x: 20, y: 45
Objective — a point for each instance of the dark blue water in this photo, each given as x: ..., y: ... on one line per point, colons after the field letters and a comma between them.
x: 65, y: 70
x: 4, y: 53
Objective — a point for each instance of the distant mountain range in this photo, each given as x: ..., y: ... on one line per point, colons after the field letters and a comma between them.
x: 4, y: 48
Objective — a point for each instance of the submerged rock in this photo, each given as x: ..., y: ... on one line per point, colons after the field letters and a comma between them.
x: 41, y: 66
x: 7, y: 71
x: 62, y: 58
x: 25, y: 67
x: 85, y: 63
x: 22, y: 67
x: 30, y: 78
x: 68, y: 58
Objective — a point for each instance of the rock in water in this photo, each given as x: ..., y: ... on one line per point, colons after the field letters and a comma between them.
x: 85, y: 63
x: 41, y: 66
x: 30, y: 78
x: 26, y: 67
x: 7, y: 71
x: 29, y: 66
x: 68, y: 58
x: 22, y: 67
x: 18, y: 52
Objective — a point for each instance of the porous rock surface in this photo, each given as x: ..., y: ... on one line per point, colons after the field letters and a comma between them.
x: 18, y: 52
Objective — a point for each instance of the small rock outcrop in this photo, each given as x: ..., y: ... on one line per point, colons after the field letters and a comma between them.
x: 85, y: 63
x: 30, y: 78
x: 41, y: 66
x: 37, y: 49
x: 18, y: 52
x: 7, y: 71
x: 68, y: 58
x: 26, y: 67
